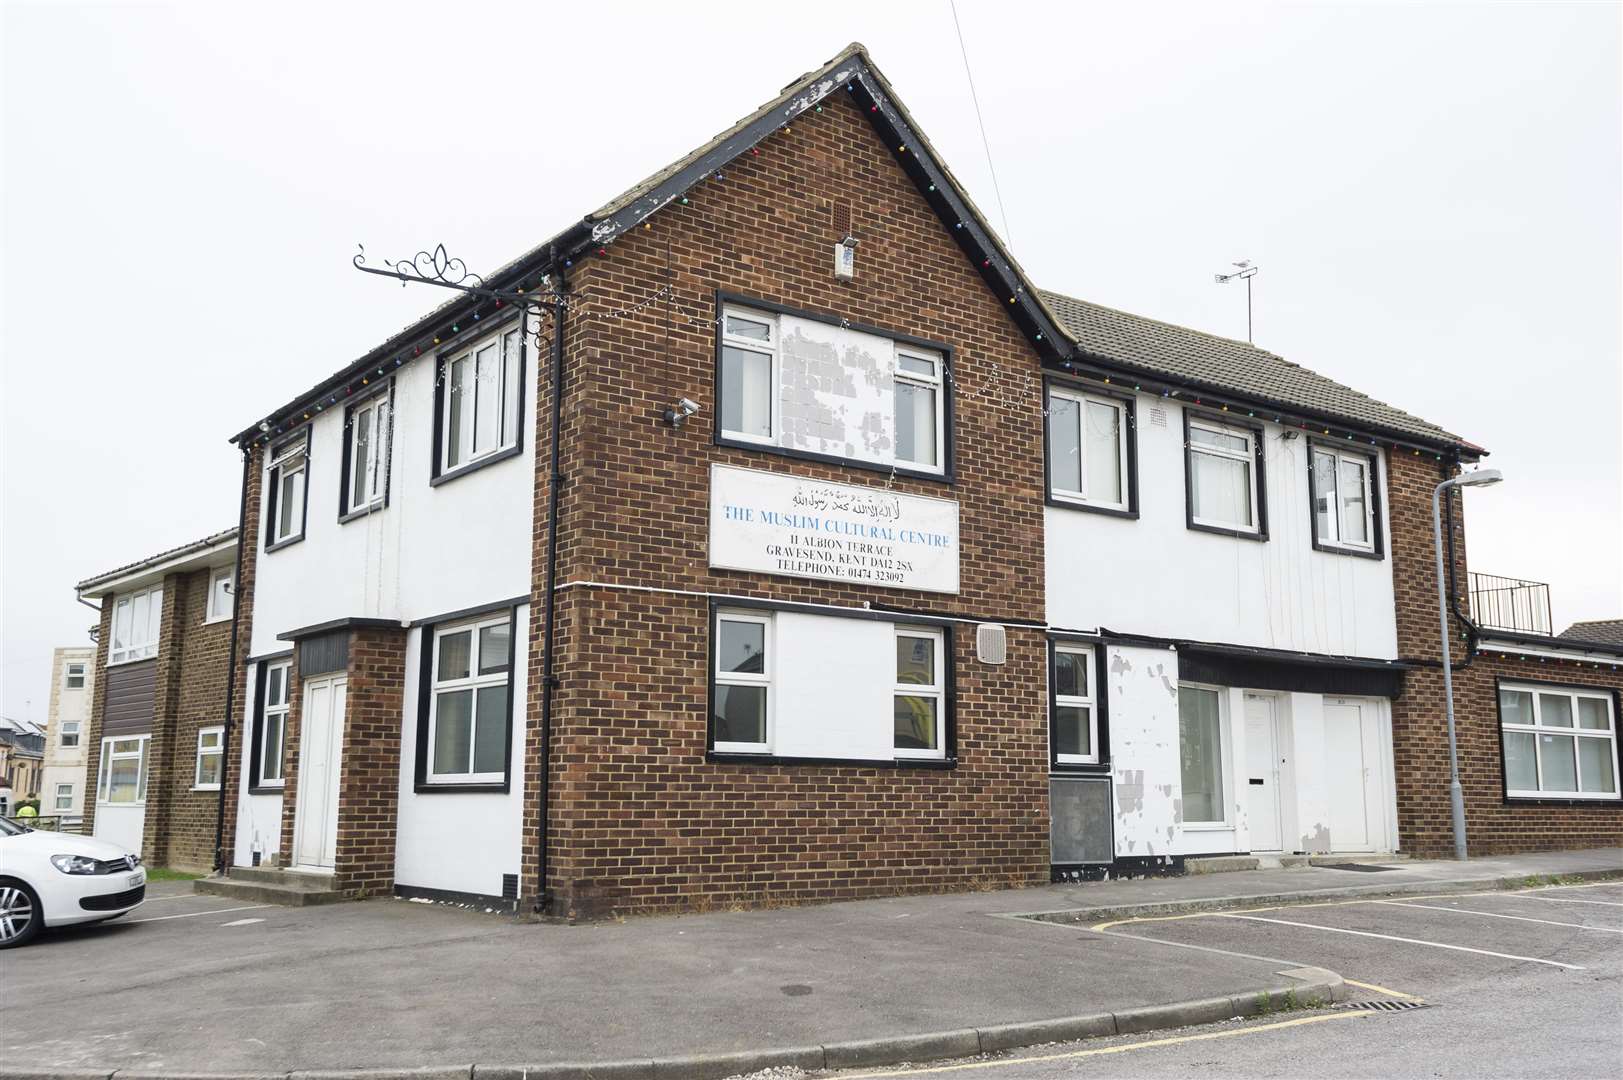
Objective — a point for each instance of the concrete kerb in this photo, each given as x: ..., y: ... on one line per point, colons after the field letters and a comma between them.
x: 1302, y: 988
x: 1070, y: 916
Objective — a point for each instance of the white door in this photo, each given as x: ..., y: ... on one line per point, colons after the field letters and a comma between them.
x: 321, y: 735
x: 1354, y: 777
x: 1262, y: 772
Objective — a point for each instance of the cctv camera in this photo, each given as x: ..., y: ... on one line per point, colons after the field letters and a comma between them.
x: 688, y: 406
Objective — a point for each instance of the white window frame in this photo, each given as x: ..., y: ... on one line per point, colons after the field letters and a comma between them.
x: 1248, y: 457
x: 1538, y: 727
x: 214, y: 614
x: 1368, y: 464
x: 935, y: 690
x: 215, y: 733
x: 374, y: 471
x: 473, y: 682
x: 288, y: 459
x: 105, y: 770
x: 509, y: 390
x: 133, y: 648
x: 936, y: 383
x: 768, y: 348
x: 69, y: 674
x: 68, y: 734
x: 63, y: 792
x: 1088, y: 701
x: 278, y: 711
x: 1082, y: 497
x: 747, y: 678
x: 1225, y: 773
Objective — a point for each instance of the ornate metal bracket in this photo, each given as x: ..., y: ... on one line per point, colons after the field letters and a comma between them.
x: 437, y: 267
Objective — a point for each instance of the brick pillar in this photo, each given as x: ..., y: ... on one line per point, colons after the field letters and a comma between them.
x: 98, y: 708
x: 369, y: 777
x: 163, y: 752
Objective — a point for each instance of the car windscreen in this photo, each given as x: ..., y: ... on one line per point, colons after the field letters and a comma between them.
x: 11, y: 828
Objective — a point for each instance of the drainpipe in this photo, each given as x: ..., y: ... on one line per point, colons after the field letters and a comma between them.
x: 549, y: 678
x: 231, y: 672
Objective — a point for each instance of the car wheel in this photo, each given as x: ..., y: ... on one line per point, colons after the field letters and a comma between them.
x: 20, y: 913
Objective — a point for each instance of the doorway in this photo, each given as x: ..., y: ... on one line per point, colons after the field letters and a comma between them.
x: 1262, y: 772
x: 321, y: 738
x: 1354, y: 774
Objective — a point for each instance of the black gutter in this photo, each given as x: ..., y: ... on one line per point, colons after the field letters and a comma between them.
x: 549, y: 678
x: 231, y: 669
x: 1544, y: 641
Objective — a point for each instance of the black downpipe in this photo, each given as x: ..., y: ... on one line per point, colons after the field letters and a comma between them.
x: 1471, y: 633
x: 549, y: 678
x: 231, y: 671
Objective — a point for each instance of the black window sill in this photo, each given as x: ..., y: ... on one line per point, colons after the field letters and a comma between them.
x: 423, y: 787
x: 1080, y: 768
x: 474, y: 466
x: 266, y: 789
x: 1610, y: 802
x: 716, y: 758
x: 1218, y: 530
x: 286, y: 542
x: 365, y: 511
x: 943, y: 477
x: 1089, y: 508
x: 1356, y: 553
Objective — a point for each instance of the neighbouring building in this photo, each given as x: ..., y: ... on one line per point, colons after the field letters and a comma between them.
x: 795, y: 546
x: 22, y: 760
x: 154, y: 745
x: 73, y: 681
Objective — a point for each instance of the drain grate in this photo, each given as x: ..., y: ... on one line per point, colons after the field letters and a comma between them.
x: 1384, y: 1006
x: 1364, y: 868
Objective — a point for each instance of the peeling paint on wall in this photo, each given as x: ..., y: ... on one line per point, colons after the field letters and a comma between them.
x: 1318, y: 840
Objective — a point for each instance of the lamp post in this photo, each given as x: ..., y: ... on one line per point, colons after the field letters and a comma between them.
x: 1245, y: 273
x: 1456, y: 797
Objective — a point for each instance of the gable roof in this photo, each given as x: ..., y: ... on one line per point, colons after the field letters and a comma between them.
x: 212, y: 550
x: 1597, y: 631
x: 1060, y: 327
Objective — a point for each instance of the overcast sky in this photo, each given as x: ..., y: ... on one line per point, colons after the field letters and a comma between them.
x: 1432, y: 192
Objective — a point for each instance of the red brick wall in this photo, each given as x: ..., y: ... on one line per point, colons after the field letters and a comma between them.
x: 639, y: 819
x: 369, y: 785
x: 1419, y: 724
x: 290, y: 758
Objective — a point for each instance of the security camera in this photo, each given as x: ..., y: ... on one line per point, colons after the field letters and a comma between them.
x: 684, y: 408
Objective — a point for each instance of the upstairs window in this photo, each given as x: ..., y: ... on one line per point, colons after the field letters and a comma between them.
x: 1343, y: 490
x: 68, y: 734
x: 75, y: 677
x: 1558, y: 742
x: 918, y: 407
x: 918, y: 694
x: 749, y: 362
x: 285, y: 482
x: 470, y: 703
x: 210, y: 759
x: 136, y: 618
x: 365, y: 481
x: 1223, y: 464
x: 480, y: 400
x: 220, y: 592
x: 1088, y: 453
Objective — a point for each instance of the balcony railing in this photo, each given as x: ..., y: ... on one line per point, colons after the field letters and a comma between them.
x: 1502, y: 603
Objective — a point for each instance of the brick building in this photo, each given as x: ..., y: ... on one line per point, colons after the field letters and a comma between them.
x: 155, y: 745
x: 769, y: 536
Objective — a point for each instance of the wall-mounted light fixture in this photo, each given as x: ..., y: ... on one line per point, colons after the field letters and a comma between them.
x: 677, y: 414
x: 845, y: 258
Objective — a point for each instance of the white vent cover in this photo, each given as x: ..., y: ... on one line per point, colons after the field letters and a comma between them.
x: 1158, y: 416
x: 991, y: 643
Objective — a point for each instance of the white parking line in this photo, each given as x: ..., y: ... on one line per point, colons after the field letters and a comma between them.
x: 1406, y: 941
x: 195, y: 914
x: 1496, y: 915
x: 1573, y: 900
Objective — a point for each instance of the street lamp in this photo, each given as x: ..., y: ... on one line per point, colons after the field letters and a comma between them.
x: 1245, y: 273
x: 1456, y: 797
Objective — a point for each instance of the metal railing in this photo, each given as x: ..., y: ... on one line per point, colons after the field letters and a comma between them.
x: 1502, y: 603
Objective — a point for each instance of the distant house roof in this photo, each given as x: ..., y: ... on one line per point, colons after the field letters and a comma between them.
x: 1095, y: 333
x: 1598, y: 631
x: 194, y: 555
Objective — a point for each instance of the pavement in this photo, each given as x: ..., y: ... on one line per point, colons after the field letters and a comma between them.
x: 202, y: 984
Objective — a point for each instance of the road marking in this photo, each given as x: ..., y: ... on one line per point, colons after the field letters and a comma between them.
x: 1380, y: 989
x: 242, y: 922
x: 195, y: 914
x: 1496, y: 915
x: 177, y: 896
x: 1574, y: 900
x: 1098, y: 1051
x: 1404, y: 940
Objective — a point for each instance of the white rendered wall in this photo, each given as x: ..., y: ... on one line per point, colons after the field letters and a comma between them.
x: 463, y: 842
x: 122, y: 824
x: 1155, y: 576
x: 67, y: 764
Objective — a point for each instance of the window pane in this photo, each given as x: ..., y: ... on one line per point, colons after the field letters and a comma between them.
x: 1521, y: 768
x: 1592, y: 714
x: 915, y: 423
x: 359, y: 458
x: 915, y: 661
x: 510, y: 394
x: 748, y: 328
x: 487, y: 407
x: 1595, y: 764
x: 1064, y: 445
x: 125, y: 779
x: 154, y: 617
x: 220, y: 596
x: 458, y: 421
x: 1555, y: 710
x: 1219, y: 439
x: 493, y: 647
x: 1515, y: 707
x: 746, y: 392
x: 290, y: 505
x: 1354, y: 526
x: 918, y: 365
x: 453, y: 720
x: 740, y: 714
x: 915, y: 723
x: 1070, y: 674
x: 1071, y: 735
x: 454, y: 658
x: 1324, y: 495
x: 122, y: 621
x: 141, y: 610
x: 208, y: 769
x: 1104, y: 453
x: 741, y: 647
x: 1201, y: 754
x: 276, y: 686
x: 490, y: 737
x: 1556, y: 764
x: 270, y: 754
x: 1221, y: 489
x: 208, y: 740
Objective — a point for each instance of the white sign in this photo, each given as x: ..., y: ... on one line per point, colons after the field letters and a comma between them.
x: 777, y: 524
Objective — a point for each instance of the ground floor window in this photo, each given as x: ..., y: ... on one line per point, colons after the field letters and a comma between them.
x: 1558, y: 741
x: 123, y: 774
x: 918, y: 693
x: 269, y: 739
x: 64, y: 796
x: 1073, y: 707
x: 210, y: 759
x: 1200, y: 754
x: 469, y: 694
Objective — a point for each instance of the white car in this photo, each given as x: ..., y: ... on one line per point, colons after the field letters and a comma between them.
x: 55, y: 879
